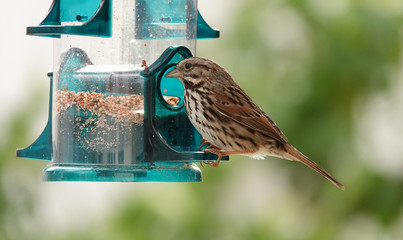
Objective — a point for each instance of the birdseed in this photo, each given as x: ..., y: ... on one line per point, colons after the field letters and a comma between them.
x: 123, y: 108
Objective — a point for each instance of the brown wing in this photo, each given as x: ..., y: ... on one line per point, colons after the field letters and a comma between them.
x: 239, y: 107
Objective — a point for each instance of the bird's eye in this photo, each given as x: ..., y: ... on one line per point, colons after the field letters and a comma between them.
x: 188, y: 65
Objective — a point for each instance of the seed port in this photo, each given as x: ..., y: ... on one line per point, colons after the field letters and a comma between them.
x: 171, y: 90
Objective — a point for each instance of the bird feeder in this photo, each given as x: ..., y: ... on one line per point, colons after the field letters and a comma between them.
x: 111, y: 116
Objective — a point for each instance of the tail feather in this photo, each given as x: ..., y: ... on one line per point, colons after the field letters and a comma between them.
x: 296, y: 155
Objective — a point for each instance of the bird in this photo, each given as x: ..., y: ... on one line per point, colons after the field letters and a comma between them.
x: 229, y: 121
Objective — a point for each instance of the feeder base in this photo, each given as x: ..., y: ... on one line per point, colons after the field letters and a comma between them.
x: 112, y: 173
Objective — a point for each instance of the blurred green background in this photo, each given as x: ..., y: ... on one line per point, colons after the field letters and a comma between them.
x: 329, y: 73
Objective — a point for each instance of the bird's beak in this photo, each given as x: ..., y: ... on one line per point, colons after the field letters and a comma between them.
x: 174, y: 73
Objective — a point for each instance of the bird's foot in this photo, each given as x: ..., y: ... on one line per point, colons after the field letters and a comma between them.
x: 202, y: 143
x: 218, y: 151
x: 213, y: 164
x: 210, y: 163
x: 215, y: 150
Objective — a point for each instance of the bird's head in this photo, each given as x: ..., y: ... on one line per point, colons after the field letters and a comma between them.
x: 197, y: 71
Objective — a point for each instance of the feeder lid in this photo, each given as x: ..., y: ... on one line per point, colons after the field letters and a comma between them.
x: 92, y: 18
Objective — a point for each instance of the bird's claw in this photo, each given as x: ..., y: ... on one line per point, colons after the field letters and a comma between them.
x: 210, y: 163
x: 213, y: 164
x: 214, y: 150
x: 202, y: 143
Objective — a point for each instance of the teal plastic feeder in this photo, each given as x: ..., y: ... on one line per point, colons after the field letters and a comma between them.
x: 112, y: 117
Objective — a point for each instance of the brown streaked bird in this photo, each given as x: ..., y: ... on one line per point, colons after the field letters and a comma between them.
x: 227, y: 118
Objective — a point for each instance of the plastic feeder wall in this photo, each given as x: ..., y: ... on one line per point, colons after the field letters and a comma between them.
x: 112, y: 117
